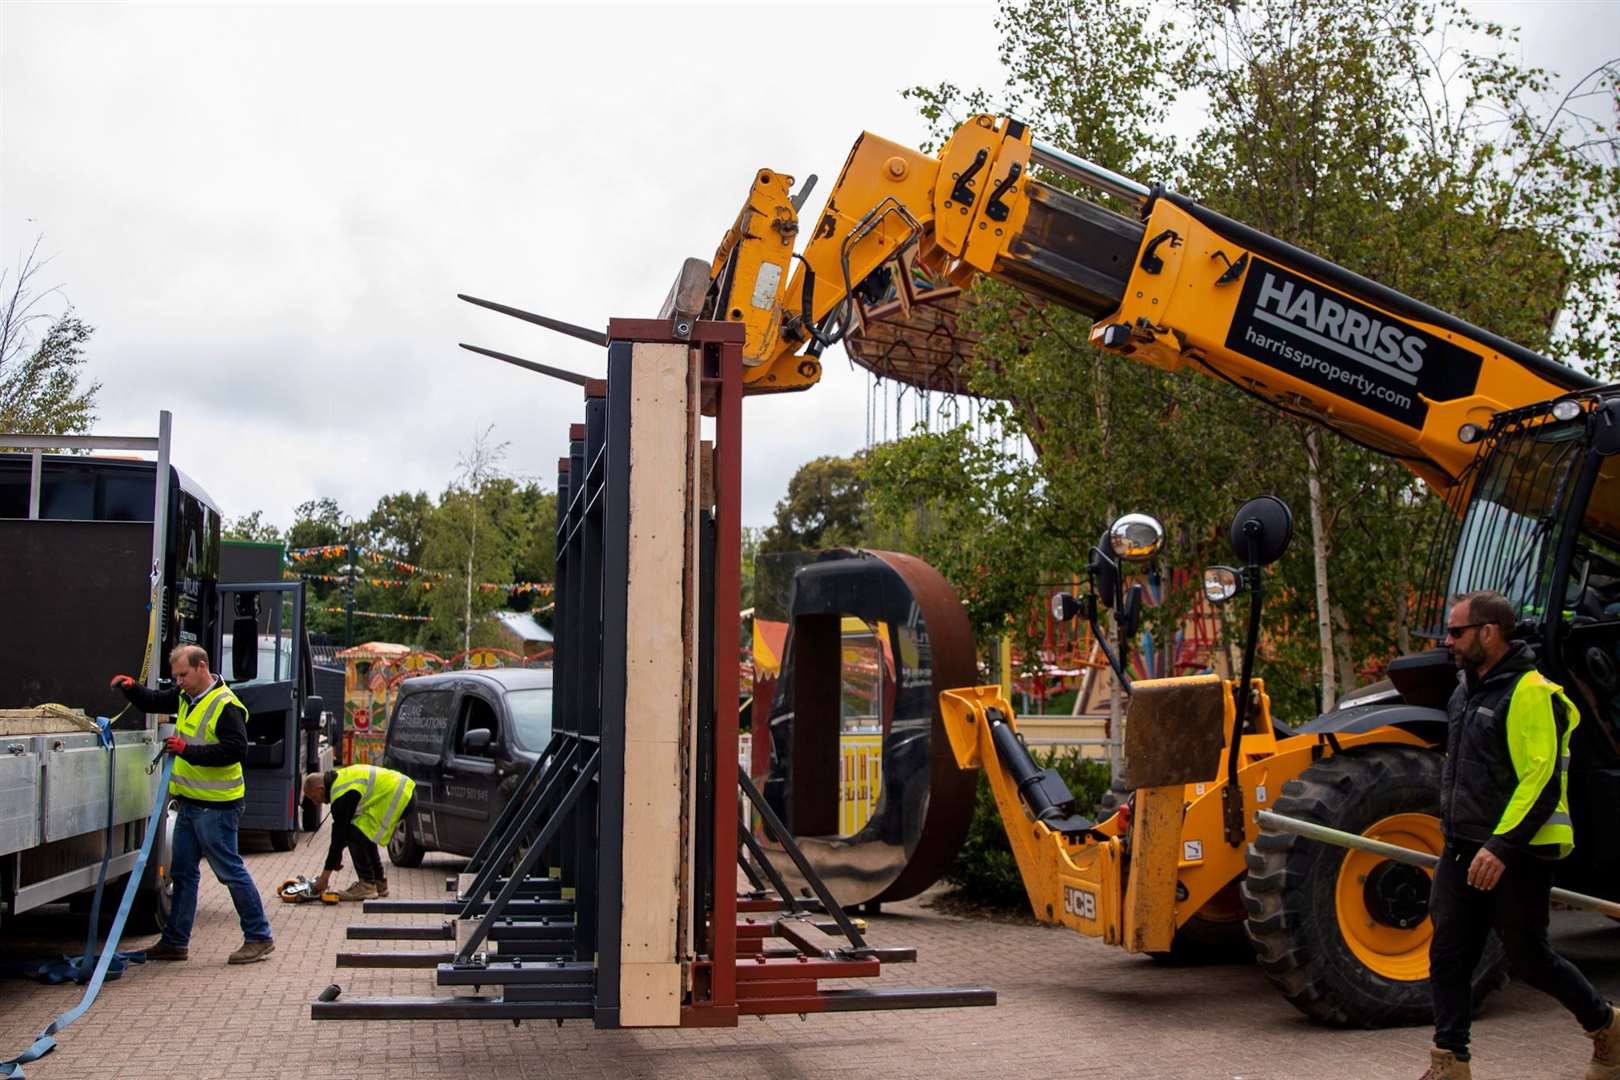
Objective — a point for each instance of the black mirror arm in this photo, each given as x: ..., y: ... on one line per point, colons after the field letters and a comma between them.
x: 1232, y: 793
x: 1102, y: 640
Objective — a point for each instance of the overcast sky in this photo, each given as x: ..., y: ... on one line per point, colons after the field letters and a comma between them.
x: 266, y: 212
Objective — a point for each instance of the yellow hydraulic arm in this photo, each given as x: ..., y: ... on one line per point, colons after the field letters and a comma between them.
x: 1179, y: 285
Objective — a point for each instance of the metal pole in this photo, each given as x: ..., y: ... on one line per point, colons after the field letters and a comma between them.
x: 348, y: 602
x: 160, y: 545
x: 34, y: 478
x: 1337, y: 837
x: 1088, y: 173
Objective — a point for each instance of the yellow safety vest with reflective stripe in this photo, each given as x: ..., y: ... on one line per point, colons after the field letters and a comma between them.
x: 1537, y: 751
x: 198, y: 722
x: 384, y: 794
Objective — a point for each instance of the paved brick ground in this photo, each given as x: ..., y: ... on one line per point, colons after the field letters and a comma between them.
x: 1069, y: 1008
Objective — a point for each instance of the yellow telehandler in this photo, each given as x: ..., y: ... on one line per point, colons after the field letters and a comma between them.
x: 1522, y: 447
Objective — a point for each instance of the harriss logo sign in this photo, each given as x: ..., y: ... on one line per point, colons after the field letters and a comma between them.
x: 1353, y: 351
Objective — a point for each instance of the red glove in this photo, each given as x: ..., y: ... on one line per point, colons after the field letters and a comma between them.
x: 175, y: 745
x: 121, y: 682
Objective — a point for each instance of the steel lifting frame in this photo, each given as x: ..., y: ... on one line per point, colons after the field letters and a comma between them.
x: 536, y: 937
x: 551, y: 944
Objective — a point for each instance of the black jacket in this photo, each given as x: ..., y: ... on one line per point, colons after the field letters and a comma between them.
x: 343, y: 808
x: 1478, y: 777
x: 230, y: 729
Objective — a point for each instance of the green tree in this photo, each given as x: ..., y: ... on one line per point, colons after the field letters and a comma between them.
x: 252, y: 527
x: 395, y: 527
x: 316, y: 523
x: 467, y: 509
x: 41, y: 378
x: 527, y: 518
x: 825, y: 506
x: 752, y: 538
x: 512, y: 538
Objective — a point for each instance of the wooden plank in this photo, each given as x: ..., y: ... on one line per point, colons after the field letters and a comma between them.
x: 811, y: 939
x: 650, y: 995
x: 656, y: 673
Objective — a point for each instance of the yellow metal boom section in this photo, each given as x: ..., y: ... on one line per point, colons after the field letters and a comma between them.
x: 1180, y: 286
x: 1180, y: 860
x: 887, y: 198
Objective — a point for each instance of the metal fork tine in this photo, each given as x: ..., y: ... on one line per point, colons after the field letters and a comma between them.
x: 595, y: 337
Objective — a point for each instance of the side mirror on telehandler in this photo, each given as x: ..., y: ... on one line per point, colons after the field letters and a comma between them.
x: 1259, y: 535
x: 1131, y: 538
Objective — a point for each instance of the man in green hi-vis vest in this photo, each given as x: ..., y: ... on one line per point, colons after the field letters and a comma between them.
x: 1504, y: 811
x: 368, y: 803
x: 209, y: 744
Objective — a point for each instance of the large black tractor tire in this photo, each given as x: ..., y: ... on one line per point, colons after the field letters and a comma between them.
x: 283, y: 839
x: 403, y: 850
x: 1344, y: 935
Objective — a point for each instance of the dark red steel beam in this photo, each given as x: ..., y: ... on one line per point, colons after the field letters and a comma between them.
x: 727, y: 347
x: 767, y: 969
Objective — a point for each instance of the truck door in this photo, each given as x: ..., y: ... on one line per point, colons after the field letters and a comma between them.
x: 260, y: 646
x: 471, y: 770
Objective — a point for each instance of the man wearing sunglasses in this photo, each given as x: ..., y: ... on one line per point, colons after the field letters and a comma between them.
x: 1505, y: 816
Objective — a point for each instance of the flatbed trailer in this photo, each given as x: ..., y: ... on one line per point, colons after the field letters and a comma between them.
x: 107, y: 564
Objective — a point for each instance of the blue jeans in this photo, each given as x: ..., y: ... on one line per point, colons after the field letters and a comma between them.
x: 200, y: 832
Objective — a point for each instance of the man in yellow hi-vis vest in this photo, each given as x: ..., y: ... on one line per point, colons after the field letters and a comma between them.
x: 1504, y: 810
x: 368, y: 803
x: 209, y: 745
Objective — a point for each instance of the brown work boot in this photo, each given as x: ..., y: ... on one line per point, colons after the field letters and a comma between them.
x: 360, y: 890
x: 382, y: 887
x: 252, y: 952
x: 164, y: 951
x: 1605, y: 1050
x: 1443, y: 1065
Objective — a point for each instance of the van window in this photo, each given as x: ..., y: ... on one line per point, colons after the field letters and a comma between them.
x: 531, y: 716
x: 477, y: 713
x: 419, y: 724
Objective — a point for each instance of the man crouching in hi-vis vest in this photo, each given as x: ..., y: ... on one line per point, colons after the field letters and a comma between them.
x: 368, y: 803
x: 209, y: 745
x: 1504, y: 810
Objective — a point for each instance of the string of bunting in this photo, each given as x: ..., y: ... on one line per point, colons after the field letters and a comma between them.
x: 338, y: 551
x: 379, y: 614
x: 542, y: 588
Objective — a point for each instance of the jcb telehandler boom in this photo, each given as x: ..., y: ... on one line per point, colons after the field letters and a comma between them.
x: 1522, y: 447
x: 1178, y: 286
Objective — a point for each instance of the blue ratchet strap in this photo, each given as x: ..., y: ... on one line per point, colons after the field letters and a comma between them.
x: 82, y: 964
x: 79, y: 968
x: 12, y: 1070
